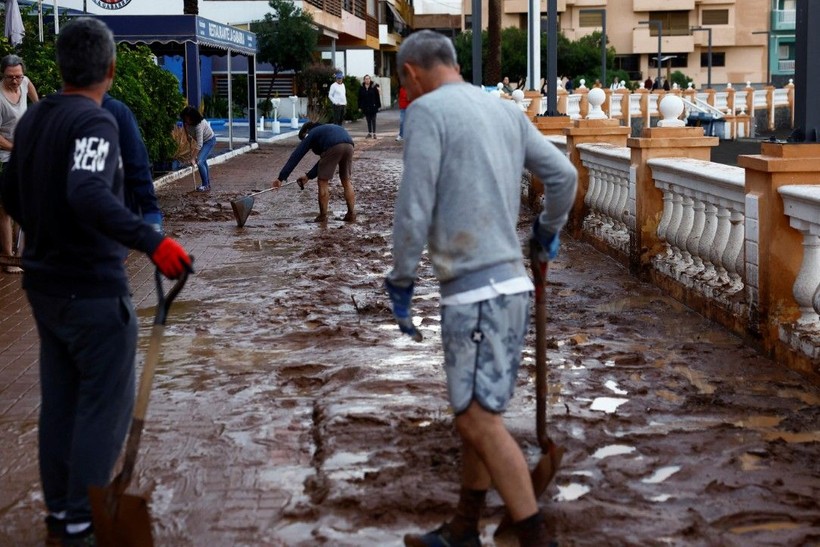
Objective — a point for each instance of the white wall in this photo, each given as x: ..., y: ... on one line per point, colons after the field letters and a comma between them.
x: 227, y: 12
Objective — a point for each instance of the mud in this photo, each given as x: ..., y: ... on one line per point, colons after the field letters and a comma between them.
x: 288, y: 410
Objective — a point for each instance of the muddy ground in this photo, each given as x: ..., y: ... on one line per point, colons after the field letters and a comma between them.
x: 288, y: 410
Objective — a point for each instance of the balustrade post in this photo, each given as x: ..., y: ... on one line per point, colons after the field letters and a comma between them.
x: 773, y: 249
x: 790, y: 93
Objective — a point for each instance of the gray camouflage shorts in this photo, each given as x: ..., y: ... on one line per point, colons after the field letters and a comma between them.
x: 482, y: 350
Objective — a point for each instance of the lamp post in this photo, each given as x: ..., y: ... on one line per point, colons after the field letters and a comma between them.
x: 603, y: 40
x: 708, y: 55
x: 659, y: 24
x: 768, y: 34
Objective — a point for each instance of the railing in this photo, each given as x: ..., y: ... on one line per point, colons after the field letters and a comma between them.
x: 703, y: 225
x: 802, y: 205
x: 610, y: 202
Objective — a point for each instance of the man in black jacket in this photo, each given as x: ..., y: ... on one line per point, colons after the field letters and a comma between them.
x: 334, y: 146
x: 64, y: 185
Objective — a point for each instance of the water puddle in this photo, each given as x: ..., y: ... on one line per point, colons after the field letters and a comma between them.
x: 696, y: 379
x: 571, y: 492
x: 661, y: 474
x: 750, y: 462
x: 613, y: 450
x: 807, y: 397
x: 766, y: 527
x: 789, y: 437
x: 607, y: 404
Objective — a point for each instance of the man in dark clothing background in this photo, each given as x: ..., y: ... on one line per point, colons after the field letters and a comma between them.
x: 139, y: 181
x: 64, y: 185
x: 334, y: 146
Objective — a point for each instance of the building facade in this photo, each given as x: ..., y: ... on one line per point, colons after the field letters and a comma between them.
x: 751, y: 40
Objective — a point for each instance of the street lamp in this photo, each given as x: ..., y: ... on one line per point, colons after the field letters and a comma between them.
x: 603, y: 40
x: 768, y: 34
x: 659, y: 24
x: 708, y: 55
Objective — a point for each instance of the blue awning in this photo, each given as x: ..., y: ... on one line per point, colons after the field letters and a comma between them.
x: 165, y: 29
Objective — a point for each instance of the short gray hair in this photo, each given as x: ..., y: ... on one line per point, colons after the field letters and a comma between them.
x: 426, y: 49
x: 85, y: 51
x: 11, y: 60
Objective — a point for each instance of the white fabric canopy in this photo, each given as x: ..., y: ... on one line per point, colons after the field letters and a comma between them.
x: 14, y: 23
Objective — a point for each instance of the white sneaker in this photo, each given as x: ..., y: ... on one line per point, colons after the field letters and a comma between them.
x: 399, y: 138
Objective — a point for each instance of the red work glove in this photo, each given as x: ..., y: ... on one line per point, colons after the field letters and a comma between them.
x: 171, y: 259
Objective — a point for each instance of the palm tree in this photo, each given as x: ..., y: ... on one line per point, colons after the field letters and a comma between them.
x: 493, y: 70
x: 190, y: 7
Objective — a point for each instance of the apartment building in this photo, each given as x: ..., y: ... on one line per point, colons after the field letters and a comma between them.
x: 751, y: 40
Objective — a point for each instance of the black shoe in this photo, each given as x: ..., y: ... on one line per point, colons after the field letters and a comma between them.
x: 55, y: 530
x: 441, y: 537
x: 85, y: 538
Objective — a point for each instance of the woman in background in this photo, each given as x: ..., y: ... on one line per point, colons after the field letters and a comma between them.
x: 370, y: 102
x: 199, y: 129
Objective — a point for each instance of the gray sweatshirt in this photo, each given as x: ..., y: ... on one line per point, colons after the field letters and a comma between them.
x: 460, y: 193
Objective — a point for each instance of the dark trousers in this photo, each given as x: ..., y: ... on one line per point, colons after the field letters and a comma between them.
x: 339, y: 113
x: 87, y: 350
x: 371, y: 121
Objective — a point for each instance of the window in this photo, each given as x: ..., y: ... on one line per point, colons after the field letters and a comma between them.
x: 674, y: 23
x: 468, y: 22
x: 674, y: 60
x: 629, y: 63
x: 591, y: 18
x: 715, y: 17
x: 718, y: 59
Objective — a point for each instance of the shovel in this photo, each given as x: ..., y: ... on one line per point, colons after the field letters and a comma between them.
x: 242, y: 206
x: 551, y: 453
x: 120, y: 519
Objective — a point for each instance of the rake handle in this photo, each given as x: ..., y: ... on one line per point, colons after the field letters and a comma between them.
x: 269, y: 189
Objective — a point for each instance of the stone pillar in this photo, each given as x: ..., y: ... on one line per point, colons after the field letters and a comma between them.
x: 535, y: 103
x: 586, y: 131
x: 657, y: 142
x: 562, y: 101
x: 774, y: 250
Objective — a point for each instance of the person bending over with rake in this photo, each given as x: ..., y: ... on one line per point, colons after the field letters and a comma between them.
x: 334, y: 146
x: 460, y: 196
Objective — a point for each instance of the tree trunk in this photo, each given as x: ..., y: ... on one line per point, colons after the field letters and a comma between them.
x: 493, y: 65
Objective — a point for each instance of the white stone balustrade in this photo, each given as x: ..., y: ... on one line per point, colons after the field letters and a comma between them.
x: 573, y: 106
x: 702, y: 226
x: 610, y: 196
x: 802, y: 205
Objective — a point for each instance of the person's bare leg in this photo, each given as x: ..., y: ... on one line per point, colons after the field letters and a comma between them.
x: 6, y: 234
x: 502, y: 458
x: 324, y: 200
x: 350, y: 199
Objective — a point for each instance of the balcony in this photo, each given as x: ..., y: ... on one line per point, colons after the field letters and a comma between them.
x: 668, y: 5
x: 784, y: 19
x: 785, y: 66
x: 645, y: 42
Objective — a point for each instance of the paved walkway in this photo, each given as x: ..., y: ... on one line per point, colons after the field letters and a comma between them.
x: 699, y: 402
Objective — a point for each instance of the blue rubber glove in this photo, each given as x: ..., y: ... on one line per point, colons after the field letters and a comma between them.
x: 154, y: 219
x: 400, y: 298
x: 548, y: 241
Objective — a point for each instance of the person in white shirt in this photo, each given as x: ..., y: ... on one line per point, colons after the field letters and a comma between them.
x: 338, y: 98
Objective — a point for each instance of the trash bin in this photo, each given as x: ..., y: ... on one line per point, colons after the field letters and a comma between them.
x: 718, y: 128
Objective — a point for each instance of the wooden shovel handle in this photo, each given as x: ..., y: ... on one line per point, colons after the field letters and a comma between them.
x: 164, y: 301
x: 539, y: 272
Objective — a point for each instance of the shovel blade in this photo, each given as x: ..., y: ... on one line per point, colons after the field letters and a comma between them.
x: 242, y: 209
x: 541, y: 476
x: 120, y: 521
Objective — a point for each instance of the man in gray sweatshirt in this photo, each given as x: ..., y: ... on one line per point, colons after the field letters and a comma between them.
x: 460, y: 195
